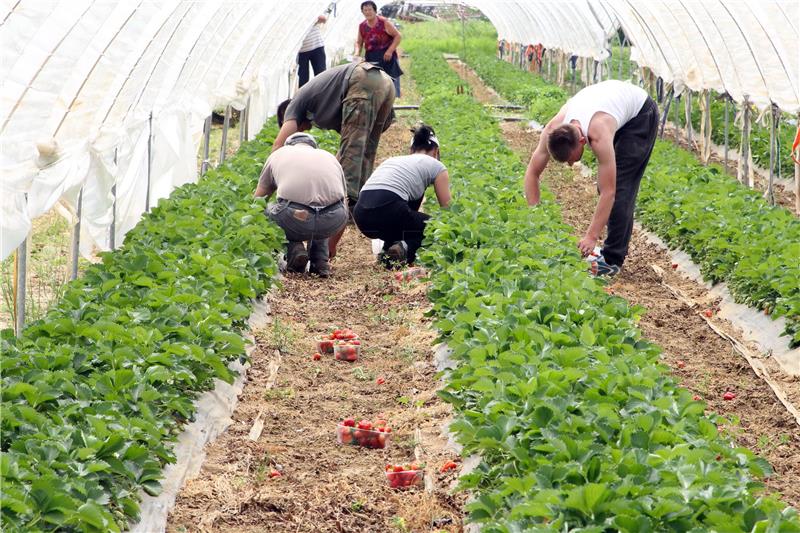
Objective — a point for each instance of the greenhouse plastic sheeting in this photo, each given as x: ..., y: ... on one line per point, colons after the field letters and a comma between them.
x: 739, y: 47
x: 81, y: 79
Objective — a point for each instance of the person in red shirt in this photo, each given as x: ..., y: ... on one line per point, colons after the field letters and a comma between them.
x: 379, y: 37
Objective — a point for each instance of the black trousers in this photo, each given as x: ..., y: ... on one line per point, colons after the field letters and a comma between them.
x: 317, y: 59
x: 384, y: 215
x: 633, y: 144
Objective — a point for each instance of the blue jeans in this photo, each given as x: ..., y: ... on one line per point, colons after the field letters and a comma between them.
x: 304, y: 223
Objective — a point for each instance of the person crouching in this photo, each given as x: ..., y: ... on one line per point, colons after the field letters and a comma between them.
x: 311, y: 200
x: 388, y: 206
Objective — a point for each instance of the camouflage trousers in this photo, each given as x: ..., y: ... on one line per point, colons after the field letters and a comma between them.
x: 366, y: 113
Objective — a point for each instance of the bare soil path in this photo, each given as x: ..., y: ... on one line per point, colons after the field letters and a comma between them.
x: 325, y: 486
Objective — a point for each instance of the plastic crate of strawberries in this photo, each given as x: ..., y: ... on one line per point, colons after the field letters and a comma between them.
x: 405, y: 476
x: 346, y: 336
x: 363, y: 433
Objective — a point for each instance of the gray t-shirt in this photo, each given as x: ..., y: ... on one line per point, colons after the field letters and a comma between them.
x: 407, y: 175
x: 306, y: 175
x: 320, y: 100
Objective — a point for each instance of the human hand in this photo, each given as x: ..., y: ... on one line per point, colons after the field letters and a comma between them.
x: 586, y: 245
x: 387, y: 55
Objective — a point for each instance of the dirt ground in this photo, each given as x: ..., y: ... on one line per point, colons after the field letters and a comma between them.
x: 325, y: 486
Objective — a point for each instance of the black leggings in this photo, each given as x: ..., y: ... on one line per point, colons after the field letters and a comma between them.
x: 317, y: 59
x: 381, y: 214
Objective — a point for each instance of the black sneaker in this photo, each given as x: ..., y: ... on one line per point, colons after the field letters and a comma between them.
x: 296, y: 257
x: 321, y: 269
x: 599, y: 267
x: 397, y: 252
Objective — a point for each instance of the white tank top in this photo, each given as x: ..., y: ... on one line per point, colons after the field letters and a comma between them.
x: 620, y: 99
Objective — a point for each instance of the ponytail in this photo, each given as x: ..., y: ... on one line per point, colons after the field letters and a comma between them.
x: 424, y: 138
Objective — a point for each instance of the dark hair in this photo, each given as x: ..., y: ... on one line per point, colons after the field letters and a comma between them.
x: 369, y: 3
x: 422, y: 138
x: 282, y: 111
x: 562, y: 142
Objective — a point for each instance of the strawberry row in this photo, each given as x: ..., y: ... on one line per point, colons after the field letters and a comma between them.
x: 577, y: 425
x: 95, y: 393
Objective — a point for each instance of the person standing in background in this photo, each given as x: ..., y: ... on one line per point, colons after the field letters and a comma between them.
x: 379, y: 37
x: 312, y: 51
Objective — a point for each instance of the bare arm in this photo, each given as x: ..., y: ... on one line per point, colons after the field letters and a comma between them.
x: 539, y: 160
x: 266, y: 185
x: 289, y: 127
x: 441, y: 186
x: 603, y: 148
x: 359, y: 45
x: 396, y: 38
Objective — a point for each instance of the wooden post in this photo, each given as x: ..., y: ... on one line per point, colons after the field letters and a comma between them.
x: 206, y: 140
x: 770, y: 192
x: 688, y: 104
x: 727, y: 104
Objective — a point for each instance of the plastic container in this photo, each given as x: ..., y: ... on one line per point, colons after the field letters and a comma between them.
x: 347, y: 352
x: 324, y: 345
x: 405, y: 479
x: 413, y: 273
x: 368, y: 438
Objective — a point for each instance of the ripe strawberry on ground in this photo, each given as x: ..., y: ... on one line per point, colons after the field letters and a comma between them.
x: 681, y: 364
x: 728, y: 396
x: 449, y: 465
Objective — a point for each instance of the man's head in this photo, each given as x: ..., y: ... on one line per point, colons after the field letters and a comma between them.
x: 565, y: 143
x: 281, y: 112
x: 301, y: 138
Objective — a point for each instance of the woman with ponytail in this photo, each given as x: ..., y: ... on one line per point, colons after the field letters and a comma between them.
x: 388, y: 205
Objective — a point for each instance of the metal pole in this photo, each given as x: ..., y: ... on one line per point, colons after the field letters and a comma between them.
x: 621, y: 54
x: 112, y: 235
x: 770, y: 193
x: 206, y: 140
x: 677, y: 118
x: 797, y: 181
x: 727, y: 104
x: 224, y: 145
x: 689, y: 117
x: 21, y: 264
x: 149, y: 160
x: 76, y: 238
x: 707, y: 128
x: 665, y: 113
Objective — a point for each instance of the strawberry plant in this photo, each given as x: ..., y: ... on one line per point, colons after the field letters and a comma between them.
x: 727, y: 229
x: 95, y: 392
x: 577, y: 424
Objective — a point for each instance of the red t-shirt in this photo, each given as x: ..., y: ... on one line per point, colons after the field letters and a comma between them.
x: 375, y: 38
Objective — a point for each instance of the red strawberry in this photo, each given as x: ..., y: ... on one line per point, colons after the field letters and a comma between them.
x: 674, y: 266
x: 681, y: 364
x: 449, y: 465
x: 728, y: 396
x: 380, y: 381
x: 696, y: 398
x: 274, y: 473
x: 709, y: 313
x: 316, y: 356
x: 349, y: 422
x: 364, y: 424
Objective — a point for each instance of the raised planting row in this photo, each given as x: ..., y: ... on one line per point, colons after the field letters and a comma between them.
x: 94, y: 394
x: 577, y: 425
x: 727, y: 229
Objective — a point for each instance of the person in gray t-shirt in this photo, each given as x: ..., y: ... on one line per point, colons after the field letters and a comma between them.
x: 388, y: 206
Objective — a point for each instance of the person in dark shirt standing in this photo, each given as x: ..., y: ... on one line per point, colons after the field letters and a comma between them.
x: 355, y: 100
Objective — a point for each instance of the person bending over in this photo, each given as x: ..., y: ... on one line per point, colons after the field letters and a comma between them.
x: 619, y: 121
x: 311, y: 200
x: 357, y: 101
x: 388, y: 207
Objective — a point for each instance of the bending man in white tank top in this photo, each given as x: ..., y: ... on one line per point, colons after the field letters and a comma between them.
x: 619, y: 122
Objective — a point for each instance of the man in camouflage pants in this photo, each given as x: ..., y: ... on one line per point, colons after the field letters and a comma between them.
x: 356, y: 100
